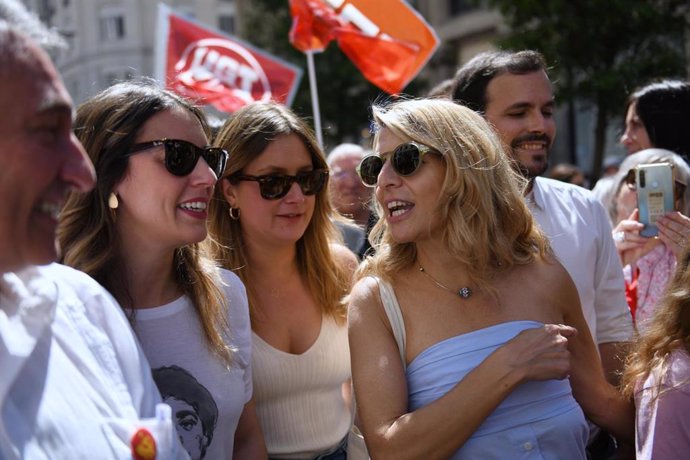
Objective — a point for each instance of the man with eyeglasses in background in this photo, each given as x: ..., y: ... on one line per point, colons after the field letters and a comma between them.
x: 350, y: 197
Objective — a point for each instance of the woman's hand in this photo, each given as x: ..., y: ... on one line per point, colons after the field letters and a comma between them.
x: 674, y: 230
x: 541, y: 353
x: 629, y: 244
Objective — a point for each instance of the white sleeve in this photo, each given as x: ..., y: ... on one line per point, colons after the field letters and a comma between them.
x: 240, y: 327
x: 115, y: 347
x: 614, y: 321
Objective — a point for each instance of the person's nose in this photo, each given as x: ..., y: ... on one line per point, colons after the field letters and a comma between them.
x: 537, y: 122
x: 294, y: 194
x: 202, y: 174
x: 387, y: 176
x: 77, y: 170
x: 350, y: 179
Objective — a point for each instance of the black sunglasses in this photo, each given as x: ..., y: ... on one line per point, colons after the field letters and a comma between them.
x: 678, y: 186
x: 276, y: 186
x: 405, y: 159
x: 181, y: 156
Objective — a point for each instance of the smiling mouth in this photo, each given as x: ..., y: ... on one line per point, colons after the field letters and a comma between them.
x: 398, y: 208
x: 194, y: 206
x: 531, y: 146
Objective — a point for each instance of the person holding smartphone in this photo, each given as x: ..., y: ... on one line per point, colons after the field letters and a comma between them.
x: 649, y: 261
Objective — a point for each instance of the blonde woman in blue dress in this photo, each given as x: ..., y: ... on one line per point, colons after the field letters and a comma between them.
x: 457, y: 325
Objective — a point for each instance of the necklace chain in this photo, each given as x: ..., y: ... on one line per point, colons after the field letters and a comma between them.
x: 464, y: 292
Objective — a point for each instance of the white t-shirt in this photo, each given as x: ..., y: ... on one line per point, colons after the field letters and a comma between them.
x: 74, y: 383
x: 206, y: 397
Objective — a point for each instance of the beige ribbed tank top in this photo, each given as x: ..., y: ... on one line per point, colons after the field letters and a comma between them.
x: 299, y: 397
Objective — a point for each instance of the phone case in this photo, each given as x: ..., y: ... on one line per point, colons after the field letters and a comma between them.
x: 654, y: 194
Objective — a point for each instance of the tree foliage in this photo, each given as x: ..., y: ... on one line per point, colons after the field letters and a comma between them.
x: 344, y: 94
x: 601, y: 50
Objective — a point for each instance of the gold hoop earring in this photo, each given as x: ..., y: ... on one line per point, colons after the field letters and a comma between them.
x: 234, y: 213
x: 113, y: 202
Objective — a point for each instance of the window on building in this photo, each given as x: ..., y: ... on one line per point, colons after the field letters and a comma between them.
x: 226, y: 23
x: 112, y: 24
x: 456, y: 7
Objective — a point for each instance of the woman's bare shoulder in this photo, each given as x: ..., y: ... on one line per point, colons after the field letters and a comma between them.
x: 552, y: 272
x: 555, y: 283
x: 364, y: 298
x: 542, y: 284
x: 344, y: 257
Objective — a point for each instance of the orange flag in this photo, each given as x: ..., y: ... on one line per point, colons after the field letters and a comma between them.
x: 387, y: 40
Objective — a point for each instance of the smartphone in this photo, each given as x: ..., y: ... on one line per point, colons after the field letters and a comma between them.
x: 654, y: 184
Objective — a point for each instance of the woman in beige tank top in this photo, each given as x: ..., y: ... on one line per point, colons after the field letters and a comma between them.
x: 272, y: 220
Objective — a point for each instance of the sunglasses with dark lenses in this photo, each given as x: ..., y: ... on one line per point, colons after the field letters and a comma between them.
x: 276, y: 186
x: 405, y: 159
x: 181, y: 157
x: 678, y: 186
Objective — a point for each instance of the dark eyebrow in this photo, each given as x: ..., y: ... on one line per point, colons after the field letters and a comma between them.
x: 527, y: 105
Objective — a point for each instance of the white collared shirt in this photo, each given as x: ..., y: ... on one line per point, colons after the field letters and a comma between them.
x: 580, y: 234
x: 74, y: 383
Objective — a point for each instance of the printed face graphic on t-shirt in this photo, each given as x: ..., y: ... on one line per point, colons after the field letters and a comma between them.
x: 189, y: 427
x: 194, y: 409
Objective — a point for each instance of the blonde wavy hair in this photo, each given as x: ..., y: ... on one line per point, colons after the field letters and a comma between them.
x: 245, y: 136
x: 488, y: 227
x: 667, y: 331
x: 107, y: 126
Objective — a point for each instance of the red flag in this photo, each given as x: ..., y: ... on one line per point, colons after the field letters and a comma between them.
x: 220, y: 70
x: 385, y: 39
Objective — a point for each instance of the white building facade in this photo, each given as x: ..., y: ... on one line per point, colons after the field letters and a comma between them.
x: 113, y: 40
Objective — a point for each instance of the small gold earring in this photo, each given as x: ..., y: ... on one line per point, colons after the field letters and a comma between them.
x: 113, y: 203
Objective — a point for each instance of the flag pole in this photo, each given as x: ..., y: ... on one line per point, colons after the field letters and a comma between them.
x: 314, y: 98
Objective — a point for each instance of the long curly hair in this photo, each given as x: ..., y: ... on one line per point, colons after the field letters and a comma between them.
x: 667, y: 331
x: 488, y: 226
x: 245, y: 136
x: 107, y: 125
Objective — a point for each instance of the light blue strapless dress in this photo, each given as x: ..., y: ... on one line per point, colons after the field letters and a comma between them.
x: 538, y: 420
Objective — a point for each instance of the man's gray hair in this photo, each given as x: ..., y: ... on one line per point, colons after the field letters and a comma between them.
x: 345, y: 148
x: 15, y: 14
